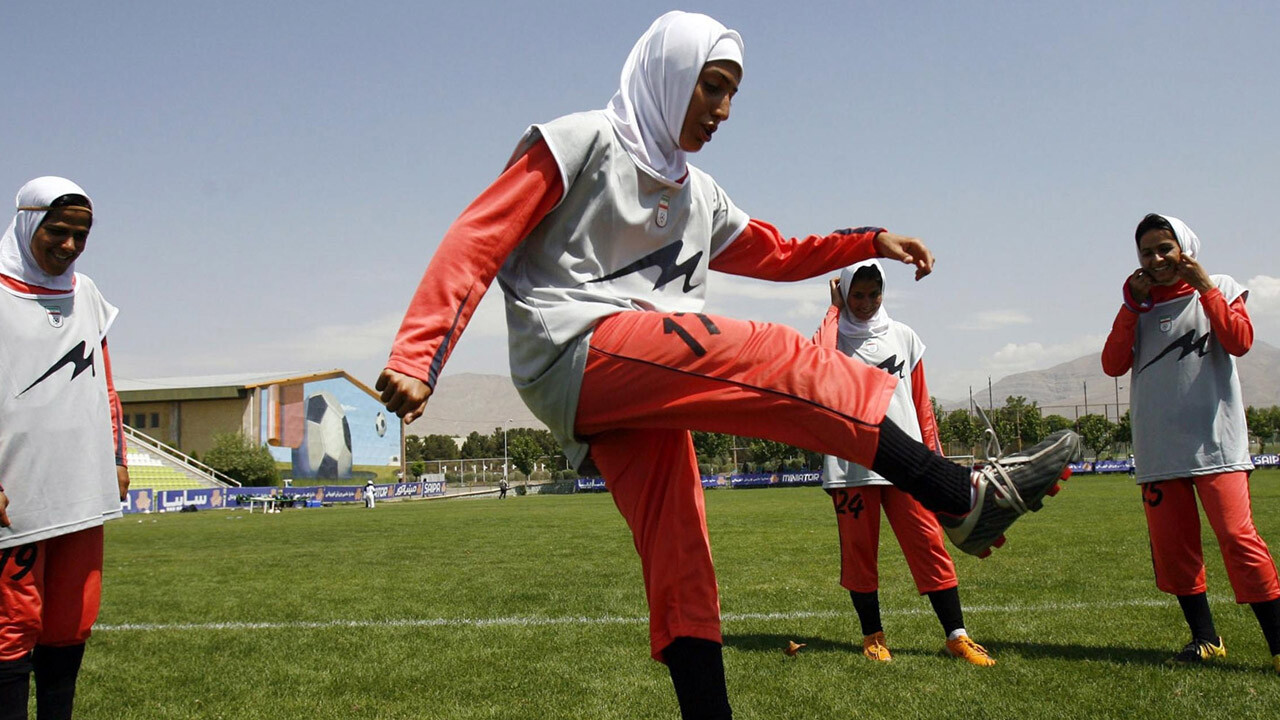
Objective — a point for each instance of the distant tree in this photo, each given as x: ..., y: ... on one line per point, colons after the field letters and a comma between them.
x: 1096, y: 432
x: 713, y: 448
x: 958, y: 427
x: 771, y: 455
x: 1054, y: 423
x: 437, y: 447
x: 239, y: 457
x: 524, y: 452
x: 417, y: 468
x: 1024, y: 419
x: 1123, y: 429
x: 413, y: 448
x: 476, y: 446
x: 1263, y: 423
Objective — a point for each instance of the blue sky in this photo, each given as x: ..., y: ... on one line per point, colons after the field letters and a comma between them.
x: 272, y: 178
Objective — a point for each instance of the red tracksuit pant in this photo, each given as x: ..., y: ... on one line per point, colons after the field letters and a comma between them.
x: 652, y: 377
x: 1173, y: 523
x: 918, y: 532
x: 49, y: 592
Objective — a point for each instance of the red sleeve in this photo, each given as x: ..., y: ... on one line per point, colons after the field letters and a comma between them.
x: 469, y: 256
x: 1231, y: 324
x: 829, y: 329
x: 760, y: 251
x: 924, y: 410
x: 117, y: 410
x: 1117, y: 353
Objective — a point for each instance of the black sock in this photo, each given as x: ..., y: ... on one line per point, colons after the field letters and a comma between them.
x: 867, y: 606
x: 15, y: 688
x: 946, y: 605
x: 1195, y: 608
x: 939, y: 484
x: 1269, y: 618
x: 56, y: 670
x: 697, y: 672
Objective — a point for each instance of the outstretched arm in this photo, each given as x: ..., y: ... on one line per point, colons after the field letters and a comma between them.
x: 460, y: 272
x: 761, y: 251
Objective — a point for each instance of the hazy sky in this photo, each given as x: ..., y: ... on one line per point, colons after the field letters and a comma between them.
x: 271, y: 178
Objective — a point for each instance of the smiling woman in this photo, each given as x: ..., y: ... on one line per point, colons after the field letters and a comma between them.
x: 62, y: 235
x: 56, y: 488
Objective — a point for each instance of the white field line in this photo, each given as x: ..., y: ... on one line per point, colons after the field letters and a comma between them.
x: 524, y: 621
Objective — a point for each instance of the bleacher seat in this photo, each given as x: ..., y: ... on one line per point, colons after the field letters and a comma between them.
x: 147, y: 471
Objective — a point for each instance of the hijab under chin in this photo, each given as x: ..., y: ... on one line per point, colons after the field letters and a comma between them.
x: 16, y: 259
x: 850, y: 326
x: 647, y: 112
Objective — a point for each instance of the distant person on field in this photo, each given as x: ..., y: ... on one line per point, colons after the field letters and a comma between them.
x: 62, y: 451
x: 502, y: 489
x: 1179, y: 331
x: 370, y: 494
x: 601, y: 236
x: 858, y: 325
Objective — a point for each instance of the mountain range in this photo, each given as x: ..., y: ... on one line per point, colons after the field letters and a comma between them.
x: 468, y: 402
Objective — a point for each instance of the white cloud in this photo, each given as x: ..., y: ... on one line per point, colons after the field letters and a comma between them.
x: 994, y: 319
x: 1020, y: 357
x: 1264, y: 296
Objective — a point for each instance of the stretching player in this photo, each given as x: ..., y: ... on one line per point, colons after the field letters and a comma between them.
x: 62, y: 460
x: 858, y: 326
x: 1180, y: 330
x: 601, y: 236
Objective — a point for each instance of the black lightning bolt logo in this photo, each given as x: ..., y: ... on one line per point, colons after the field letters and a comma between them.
x: 76, y: 358
x: 1187, y: 344
x: 665, y: 260
x: 892, y: 366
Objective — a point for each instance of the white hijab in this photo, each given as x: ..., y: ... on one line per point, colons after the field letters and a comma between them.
x: 16, y: 259
x: 1187, y: 240
x: 657, y: 83
x: 850, y: 326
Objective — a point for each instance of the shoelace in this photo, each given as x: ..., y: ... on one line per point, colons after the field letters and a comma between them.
x: 994, y: 470
x: 967, y: 642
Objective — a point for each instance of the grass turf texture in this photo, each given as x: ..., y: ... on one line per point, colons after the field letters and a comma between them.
x: 533, y: 608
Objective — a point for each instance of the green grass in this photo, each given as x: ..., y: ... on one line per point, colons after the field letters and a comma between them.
x: 1068, y: 608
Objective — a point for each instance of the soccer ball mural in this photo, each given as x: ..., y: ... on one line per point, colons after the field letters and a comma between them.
x: 380, y: 424
x: 325, y: 451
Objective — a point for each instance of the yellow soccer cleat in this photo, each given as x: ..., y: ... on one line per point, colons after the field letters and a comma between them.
x: 874, y: 648
x: 961, y: 646
x: 1199, y: 651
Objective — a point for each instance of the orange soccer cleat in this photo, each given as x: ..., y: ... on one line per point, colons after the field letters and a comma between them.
x: 961, y: 646
x: 873, y: 647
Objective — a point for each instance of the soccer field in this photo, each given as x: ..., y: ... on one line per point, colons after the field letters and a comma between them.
x: 532, y: 607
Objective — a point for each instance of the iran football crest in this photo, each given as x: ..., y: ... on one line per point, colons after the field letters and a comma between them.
x: 55, y: 315
x: 664, y: 204
x: 1166, y: 323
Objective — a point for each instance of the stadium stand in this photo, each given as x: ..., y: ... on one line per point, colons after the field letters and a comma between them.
x: 154, y: 465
